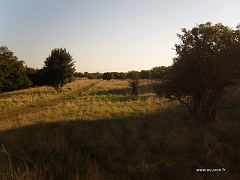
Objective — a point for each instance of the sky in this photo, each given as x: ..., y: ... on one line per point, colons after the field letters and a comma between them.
x: 106, y: 35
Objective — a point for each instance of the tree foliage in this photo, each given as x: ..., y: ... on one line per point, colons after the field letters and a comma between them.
x: 119, y: 75
x: 145, y: 74
x: 134, y: 82
x: 78, y: 74
x: 108, y: 76
x: 237, y: 49
x: 204, y: 69
x: 59, y: 68
x: 36, y: 76
x: 12, y: 71
x: 159, y: 72
x: 96, y: 75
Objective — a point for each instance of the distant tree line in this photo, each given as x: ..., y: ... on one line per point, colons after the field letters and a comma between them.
x: 155, y: 73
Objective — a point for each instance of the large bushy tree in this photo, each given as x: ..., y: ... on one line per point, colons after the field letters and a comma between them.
x: 12, y: 71
x: 59, y: 68
x: 204, y: 69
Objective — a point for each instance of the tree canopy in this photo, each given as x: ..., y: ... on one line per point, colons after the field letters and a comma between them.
x: 36, y: 76
x: 12, y: 71
x: 145, y: 74
x: 108, y: 76
x: 59, y: 68
x: 205, y: 66
x: 159, y: 72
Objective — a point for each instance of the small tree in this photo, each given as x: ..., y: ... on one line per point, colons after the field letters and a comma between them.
x: 108, y: 76
x: 59, y: 68
x: 134, y: 82
x: 204, y: 69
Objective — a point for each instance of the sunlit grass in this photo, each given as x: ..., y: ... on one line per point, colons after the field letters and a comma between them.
x: 22, y: 98
x: 106, y: 100
x: 105, y: 133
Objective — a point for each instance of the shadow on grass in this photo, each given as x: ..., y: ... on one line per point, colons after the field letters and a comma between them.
x: 163, y: 145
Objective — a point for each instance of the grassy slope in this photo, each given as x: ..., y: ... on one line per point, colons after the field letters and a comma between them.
x: 105, y: 134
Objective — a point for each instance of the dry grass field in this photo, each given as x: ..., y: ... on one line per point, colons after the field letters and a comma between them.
x: 95, y: 130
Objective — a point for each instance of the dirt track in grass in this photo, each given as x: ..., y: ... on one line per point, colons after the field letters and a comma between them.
x: 46, y: 103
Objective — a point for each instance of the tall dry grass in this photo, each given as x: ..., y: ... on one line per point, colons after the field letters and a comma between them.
x: 10, y: 101
x: 105, y: 100
x: 107, y: 134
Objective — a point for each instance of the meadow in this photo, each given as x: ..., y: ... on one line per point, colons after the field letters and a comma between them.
x: 95, y: 130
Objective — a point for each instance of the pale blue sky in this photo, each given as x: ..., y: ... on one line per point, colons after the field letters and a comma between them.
x: 106, y: 35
